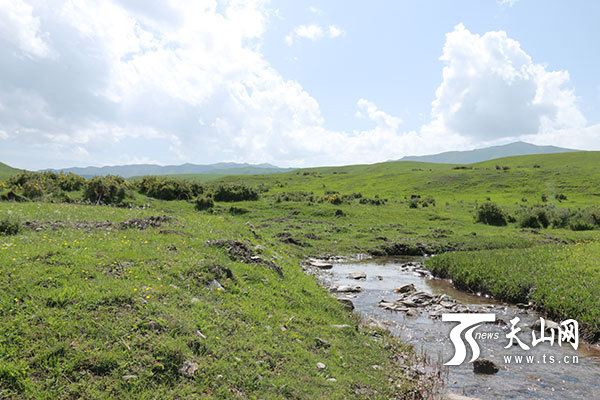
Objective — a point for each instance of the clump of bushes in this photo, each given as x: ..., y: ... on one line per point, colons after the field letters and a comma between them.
x: 9, y: 226
x: 416, y: 201
x: 204, y: 202
x: 231, y: 193
x: 560, y: 197
x: 373, y: 202
x: 534, y: 218
x: 490, y: 213
x: 41, y: 185
x: 106, y: 190
x: 238, y: 210
x: 168, y: 188
x: 551, y: 216
x: 294, y: 197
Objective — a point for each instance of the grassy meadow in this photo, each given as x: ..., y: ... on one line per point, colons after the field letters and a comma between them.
x: 93, y: 303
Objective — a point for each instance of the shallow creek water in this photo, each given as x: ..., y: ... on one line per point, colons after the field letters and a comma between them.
x: 562, y: 379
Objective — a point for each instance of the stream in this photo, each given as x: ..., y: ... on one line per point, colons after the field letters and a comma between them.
x: 574, y: 374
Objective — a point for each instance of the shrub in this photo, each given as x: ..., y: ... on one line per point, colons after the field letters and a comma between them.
x: 168, y: 189
x: 9, y: 226
x: 238, y: 210
x: 372, y: 202
x: 489, y: 213
x: 339, y: 213
x: 234, y: 193
x: 534, y: 218
x: 105, y: 190
x: 413, y: 203
x: 70, y: 182
x: 204, y: 203
x: 560, y: 197
x: 32, y: 189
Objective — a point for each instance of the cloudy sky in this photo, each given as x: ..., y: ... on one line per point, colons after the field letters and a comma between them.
x: 291, y: 82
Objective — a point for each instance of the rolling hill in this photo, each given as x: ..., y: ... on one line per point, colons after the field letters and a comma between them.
x: 7, y: 171
x: 128, y: 171
x: 488, y: 153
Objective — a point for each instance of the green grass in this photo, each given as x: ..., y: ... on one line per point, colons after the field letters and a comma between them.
x: 563, y: 281
x: 82, y: 307
x: 7, y: 171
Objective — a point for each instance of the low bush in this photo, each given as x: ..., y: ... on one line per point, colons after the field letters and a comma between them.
x: 168, y: 188
x: 490, y: 214
x: 204, y: 203
x: 230, y: 193
x: 534, y: 218
x: 106, y: 190
x: 9, y: 226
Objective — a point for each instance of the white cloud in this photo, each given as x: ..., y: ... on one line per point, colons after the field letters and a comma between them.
x: 509, y: 3
x: 335, y: 31
x: 492, y: 89
x: 315, y: 10
x: 19, y: 26
x: 313, y: 32
x: 181, y: 81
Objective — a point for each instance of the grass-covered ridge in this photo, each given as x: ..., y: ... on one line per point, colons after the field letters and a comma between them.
x: 7, y: 171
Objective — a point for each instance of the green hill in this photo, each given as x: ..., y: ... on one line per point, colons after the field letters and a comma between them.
x: 506, y: 180
x: 7, y: 171
x: 488, y: 153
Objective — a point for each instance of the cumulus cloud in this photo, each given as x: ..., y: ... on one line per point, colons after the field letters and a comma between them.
x: 177, y: 81
x: 106, y: 81
x: 313, y: 32
x: 492, y: 89
x: 21, y: 28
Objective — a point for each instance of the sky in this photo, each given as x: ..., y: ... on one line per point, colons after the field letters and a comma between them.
x: 292, y: 82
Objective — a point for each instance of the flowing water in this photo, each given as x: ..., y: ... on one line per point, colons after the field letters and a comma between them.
x: 572, y: 375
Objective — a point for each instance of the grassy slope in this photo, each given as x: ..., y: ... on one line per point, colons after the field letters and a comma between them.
x: 563, y: 281
x: 80, y: 309
x: 7, y: 171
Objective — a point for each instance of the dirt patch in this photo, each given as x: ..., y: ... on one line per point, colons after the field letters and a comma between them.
x: 154, y: 221
x: 286, y: 237
x: 139, y: 223
x: 239, y: 251
x: 55, y: 225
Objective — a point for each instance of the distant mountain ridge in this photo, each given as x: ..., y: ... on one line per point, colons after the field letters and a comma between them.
x: 488, y: 153
x: 128, y: 171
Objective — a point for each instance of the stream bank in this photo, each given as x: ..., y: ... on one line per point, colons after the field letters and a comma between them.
x: 414, y: 316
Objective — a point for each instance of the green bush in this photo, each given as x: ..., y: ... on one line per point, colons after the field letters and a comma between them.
x: 489, y: 213
x: 9, y: 226
x: 70, y: 182
x: 238, y: 210
x: 204, y: 203
x: 168, y: 188
x: 106, y: 190
x: 234, y: 193
x: 534, y: 218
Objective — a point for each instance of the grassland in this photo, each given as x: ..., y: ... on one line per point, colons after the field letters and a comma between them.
x: 7, y: 171
x: 85, y: 306
x: 562, y: 281
x: 83, y: 309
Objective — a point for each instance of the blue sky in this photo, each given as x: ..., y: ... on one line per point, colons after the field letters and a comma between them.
x: 293, y: 83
